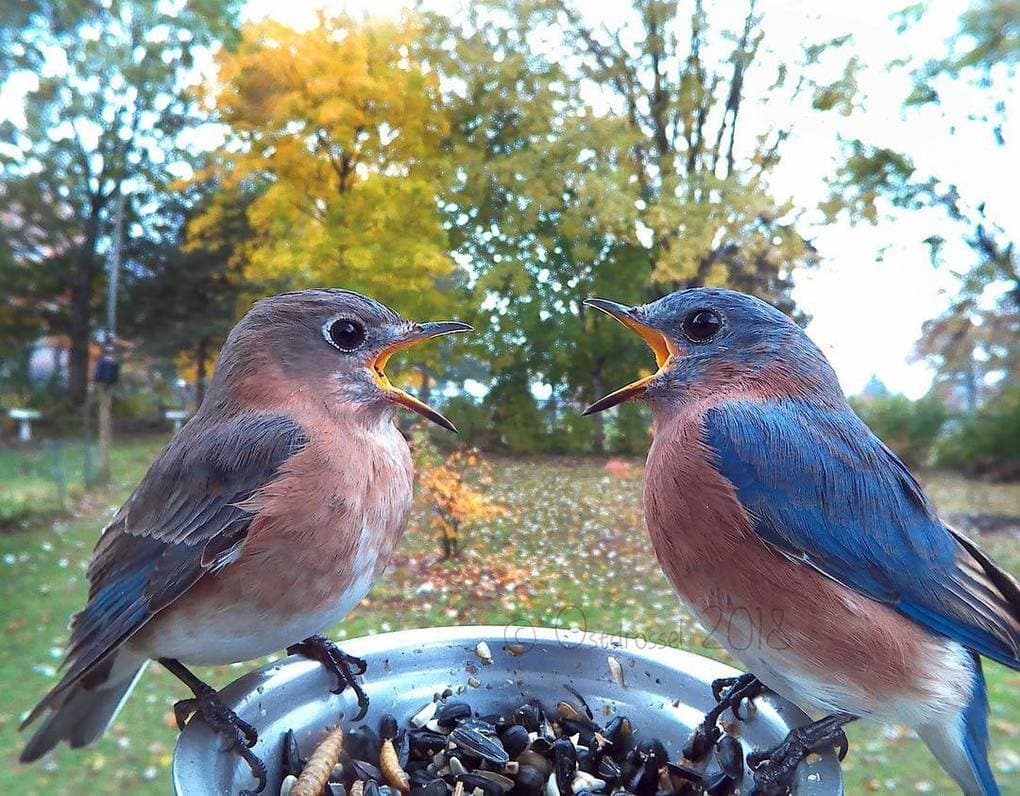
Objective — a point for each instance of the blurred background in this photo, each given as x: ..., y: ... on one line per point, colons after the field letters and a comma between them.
x: 162, y: 165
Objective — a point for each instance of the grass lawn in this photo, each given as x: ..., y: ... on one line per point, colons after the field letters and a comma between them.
x: 572, y: 550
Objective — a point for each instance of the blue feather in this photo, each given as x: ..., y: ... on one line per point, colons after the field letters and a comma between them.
x: 821, y: 487
x: 975, y: 733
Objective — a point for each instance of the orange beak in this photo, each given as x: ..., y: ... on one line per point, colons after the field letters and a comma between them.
x: 661, y: 346
x: 421, y: 332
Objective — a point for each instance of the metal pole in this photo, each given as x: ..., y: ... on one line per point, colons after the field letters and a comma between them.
x: 106, y: 385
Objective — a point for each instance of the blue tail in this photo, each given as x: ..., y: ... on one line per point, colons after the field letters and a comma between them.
x: 975, y: 732
x: 960, y: 743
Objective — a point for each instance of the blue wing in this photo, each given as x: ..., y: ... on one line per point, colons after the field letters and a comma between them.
x: 182, y: 521
x: 820, y: 487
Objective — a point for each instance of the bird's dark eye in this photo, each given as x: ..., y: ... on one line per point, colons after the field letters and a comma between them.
x: 345, y: 334
x: 702, y: 325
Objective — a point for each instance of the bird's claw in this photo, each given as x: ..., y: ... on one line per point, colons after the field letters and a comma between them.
x: 729, y: 693
x: 346, y: 668
x: 240, y: 734
x: 774, y: 768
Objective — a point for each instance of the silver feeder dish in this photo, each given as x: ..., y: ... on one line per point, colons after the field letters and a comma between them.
x: 665, y: 693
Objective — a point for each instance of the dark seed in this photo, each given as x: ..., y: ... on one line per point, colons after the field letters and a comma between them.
x: 529, y: 716
x: 425, y: 742
x: 293, y: 762
x: 620, y: 733
x: 372, y: 788
x: 586, y: 759
x: 564, y: 763
x: 730, y: 755
x: 472, y: 781
x: 480, y: 740
x: 532, y: 759
x: 362, y: 743
x: 652, y: 753
x: 364, y: 770
x: 684, y: 772
x: 576, y: 693
x: 529, y: 782
x: 583, y: 729
x: 388, y: 727
x: 433, y: 787
x: 334, y: 789
x: 515, y: 740
x: 449, y: 714
x: 609, y: 770
x: 717, y: 784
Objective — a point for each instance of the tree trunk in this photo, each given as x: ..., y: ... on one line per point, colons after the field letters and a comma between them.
x: 599, y: 437
x: 201, y: 362
x: 80, y: 328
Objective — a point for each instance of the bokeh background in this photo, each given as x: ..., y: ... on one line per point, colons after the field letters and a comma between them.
x: 162, y: 165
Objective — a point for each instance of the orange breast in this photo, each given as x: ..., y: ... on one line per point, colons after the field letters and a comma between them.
x: 759, y: 604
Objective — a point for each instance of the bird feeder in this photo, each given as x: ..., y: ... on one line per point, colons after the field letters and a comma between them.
x: 665, y: 693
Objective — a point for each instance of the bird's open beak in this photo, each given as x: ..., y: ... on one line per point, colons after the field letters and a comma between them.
x: 420, y: 332
x: 661, y: 346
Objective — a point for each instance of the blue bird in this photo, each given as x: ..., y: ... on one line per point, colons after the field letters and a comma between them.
x: 804, y: 545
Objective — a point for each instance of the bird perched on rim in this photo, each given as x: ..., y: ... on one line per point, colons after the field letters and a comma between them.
x: 804, y: 545
x: 262, y: 523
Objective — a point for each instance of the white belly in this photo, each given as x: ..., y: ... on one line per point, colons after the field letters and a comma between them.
x: 241, y: 632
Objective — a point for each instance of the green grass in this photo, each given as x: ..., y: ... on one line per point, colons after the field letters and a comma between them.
x: 572, y: 550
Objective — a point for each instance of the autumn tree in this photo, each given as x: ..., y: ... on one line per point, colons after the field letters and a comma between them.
x: 342, y: 130
x: 454, y: 487
x: 109, y: 110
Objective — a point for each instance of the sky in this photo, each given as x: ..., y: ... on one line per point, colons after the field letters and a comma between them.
x: 876, y: 285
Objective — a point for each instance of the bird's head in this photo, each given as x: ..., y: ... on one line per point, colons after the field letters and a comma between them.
x: 334, y: 343
x: 710, y: 341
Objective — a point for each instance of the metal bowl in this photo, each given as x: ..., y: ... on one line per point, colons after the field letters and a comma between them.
x: 665, y: 693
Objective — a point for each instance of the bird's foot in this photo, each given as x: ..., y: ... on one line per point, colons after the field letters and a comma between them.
x: 729, y: 693
x: 774, y: 768
x: 240, y: 734
x: 321, y: 649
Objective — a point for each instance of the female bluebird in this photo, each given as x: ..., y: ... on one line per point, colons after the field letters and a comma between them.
x: 803, y: 545
x: 262, y: 523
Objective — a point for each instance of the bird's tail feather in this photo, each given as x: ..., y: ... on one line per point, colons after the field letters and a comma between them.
x: 83, y: 713
x: 960, y: 743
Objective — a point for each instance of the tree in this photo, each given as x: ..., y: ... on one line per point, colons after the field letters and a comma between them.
x: 341, y: 129
x: 185, y: 292
x: 108, y: 110
x: 553, y: 201
x: 972, y: 343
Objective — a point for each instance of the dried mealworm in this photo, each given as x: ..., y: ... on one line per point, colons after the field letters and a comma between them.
x: 395, y: 776
x: 316, y: 773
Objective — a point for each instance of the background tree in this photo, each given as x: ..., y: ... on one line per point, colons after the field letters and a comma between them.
x: 341, y: 130
x: 972, y: 344
x: 186, y: 289
x: 554, y: 199
x: 109, y: 108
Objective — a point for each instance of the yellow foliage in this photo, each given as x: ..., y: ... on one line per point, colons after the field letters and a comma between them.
x: 338, y: 131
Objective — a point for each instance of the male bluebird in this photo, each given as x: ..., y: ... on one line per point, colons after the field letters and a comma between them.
x: 803, y: 545
x: 262, y: 523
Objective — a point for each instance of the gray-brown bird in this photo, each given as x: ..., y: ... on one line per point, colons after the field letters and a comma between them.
x: 261, y: 524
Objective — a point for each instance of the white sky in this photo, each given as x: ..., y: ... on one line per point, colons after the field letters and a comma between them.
x: 867, y: 313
